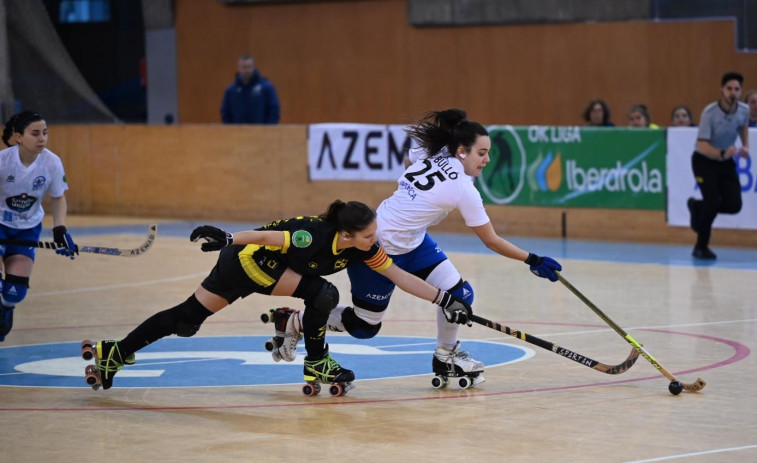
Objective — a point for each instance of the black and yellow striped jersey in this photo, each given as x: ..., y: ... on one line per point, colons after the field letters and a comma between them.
x: 310, y: 249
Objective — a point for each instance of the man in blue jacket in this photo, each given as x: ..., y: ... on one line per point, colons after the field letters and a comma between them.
x: 251, y: 98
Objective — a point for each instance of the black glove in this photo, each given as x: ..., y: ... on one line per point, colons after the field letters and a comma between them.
x: 543, y: 266
x: 455, y: 310
x: 215, y: 238
x: 66, y: 246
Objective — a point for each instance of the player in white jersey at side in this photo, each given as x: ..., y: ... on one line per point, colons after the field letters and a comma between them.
x: 28, y: 171
x: 438, y: 178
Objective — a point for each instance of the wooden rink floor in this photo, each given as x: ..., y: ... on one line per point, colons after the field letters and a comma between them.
x: 698, y: 321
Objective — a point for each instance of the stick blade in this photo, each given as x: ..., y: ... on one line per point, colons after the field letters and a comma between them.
x: 696, y: 386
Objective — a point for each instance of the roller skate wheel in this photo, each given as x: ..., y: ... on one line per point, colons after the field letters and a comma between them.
x: 311, y: 390
x: 336, y: 390
x: 465, y: 382
x: 87, y: 350
x: 270, y: 345
x: 90, y: 375
x: 439, y: 382
x: 276, y: 355
x: 267, y: 317
x: 95, y: 387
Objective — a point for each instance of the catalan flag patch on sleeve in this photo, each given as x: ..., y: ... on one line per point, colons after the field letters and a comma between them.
x: 380, y: 261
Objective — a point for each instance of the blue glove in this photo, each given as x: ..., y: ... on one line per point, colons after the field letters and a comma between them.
x: 66, y: 246
x: 543, y: 266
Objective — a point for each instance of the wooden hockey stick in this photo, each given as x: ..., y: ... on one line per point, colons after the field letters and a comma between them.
x: 696, y: 386
x: 143, y: 248
x: 561, y: 351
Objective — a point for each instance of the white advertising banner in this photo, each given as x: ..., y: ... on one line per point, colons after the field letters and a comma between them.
x: 356, y: 151
x: 681, y: 183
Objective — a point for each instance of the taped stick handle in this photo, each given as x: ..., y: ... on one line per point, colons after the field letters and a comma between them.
x: 561, y: 351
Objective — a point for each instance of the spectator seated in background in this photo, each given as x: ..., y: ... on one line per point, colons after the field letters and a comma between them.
x: 597, y: 114
x: 638, y: 116
x: 681, y: 117
x: 751, y: 100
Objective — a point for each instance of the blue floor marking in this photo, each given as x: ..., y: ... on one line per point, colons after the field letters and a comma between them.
x: 602, y: 251
x: 205, y: 361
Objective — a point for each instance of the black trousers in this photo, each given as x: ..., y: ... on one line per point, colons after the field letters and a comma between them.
x: 721, y: 193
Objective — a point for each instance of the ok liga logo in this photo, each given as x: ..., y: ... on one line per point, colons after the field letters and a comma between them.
x: 510, y: 169
x: 235, y: 361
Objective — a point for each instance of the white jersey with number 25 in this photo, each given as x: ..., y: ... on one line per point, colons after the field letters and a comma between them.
x: 427, y: 191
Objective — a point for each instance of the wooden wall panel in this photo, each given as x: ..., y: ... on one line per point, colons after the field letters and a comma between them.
x: 362, y: 62
x: 259, y: 174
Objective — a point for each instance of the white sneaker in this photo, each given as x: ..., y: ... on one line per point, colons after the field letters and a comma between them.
x: 455, y: 360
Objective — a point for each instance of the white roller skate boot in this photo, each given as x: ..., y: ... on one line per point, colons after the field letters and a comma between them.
x: 288, y: 327
x: 456, y: 364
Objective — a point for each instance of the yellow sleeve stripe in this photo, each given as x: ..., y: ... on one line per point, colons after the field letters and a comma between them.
x: 251, y: 267
x: 287, y: 242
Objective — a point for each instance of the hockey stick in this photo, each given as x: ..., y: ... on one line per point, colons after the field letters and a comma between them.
x: 675, y: 385
x: 143, y: 248
x: 569, y: 354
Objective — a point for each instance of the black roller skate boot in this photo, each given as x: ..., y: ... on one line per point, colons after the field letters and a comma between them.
x: 288, y: 327
x: 326, y: 370
x: 456, y: 364
x: 108, y: 361
x: 6, y: 321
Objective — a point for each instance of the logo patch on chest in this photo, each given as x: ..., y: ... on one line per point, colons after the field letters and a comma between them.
x: 301, y: 239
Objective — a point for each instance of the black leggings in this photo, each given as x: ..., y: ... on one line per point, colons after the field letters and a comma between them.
x: 721, y: 192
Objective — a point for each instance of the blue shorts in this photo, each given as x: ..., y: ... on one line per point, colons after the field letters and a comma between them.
x: 376, y: 289
x: 26, y: 234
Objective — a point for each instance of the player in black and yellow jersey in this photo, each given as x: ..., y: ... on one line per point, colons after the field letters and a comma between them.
x: 283, y: 258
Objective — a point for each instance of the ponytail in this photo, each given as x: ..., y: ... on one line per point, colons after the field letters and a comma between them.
x: 448, y: 129
x: 352, y: 216
x: 18, y: 123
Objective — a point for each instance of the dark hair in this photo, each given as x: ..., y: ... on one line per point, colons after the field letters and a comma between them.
x: 731, y: 76
x: 352, y: 216
x: 18, y: 123
x: 685, y: 108
x: 446, y: 129
x: 642, y: 109
x: 605, y: 109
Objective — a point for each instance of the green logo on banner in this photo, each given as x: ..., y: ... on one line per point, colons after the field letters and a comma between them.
x: 575, y: 167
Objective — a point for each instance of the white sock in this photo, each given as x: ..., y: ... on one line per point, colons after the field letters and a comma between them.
x: 335, y: 319
x: 446, y: 332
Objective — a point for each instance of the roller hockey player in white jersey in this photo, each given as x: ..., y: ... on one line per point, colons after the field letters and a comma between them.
x: 438, y: 178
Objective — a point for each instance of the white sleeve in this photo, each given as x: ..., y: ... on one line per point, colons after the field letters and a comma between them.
x: 471, y: 206
x: 58, y: 183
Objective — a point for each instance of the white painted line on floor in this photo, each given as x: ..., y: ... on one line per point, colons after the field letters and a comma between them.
x: 695, y: 454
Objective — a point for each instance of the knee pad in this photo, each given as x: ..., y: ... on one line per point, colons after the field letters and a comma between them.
x: 317, y: 293
x: 463, y: 290
x: 14, y: 289
x: 187, y: 317
x: 357, y: 327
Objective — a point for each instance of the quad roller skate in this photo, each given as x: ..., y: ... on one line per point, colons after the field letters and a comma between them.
x: 326, y: 370
x: 286, y: 322
x: 456, y: 364
x: 108, y: 362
